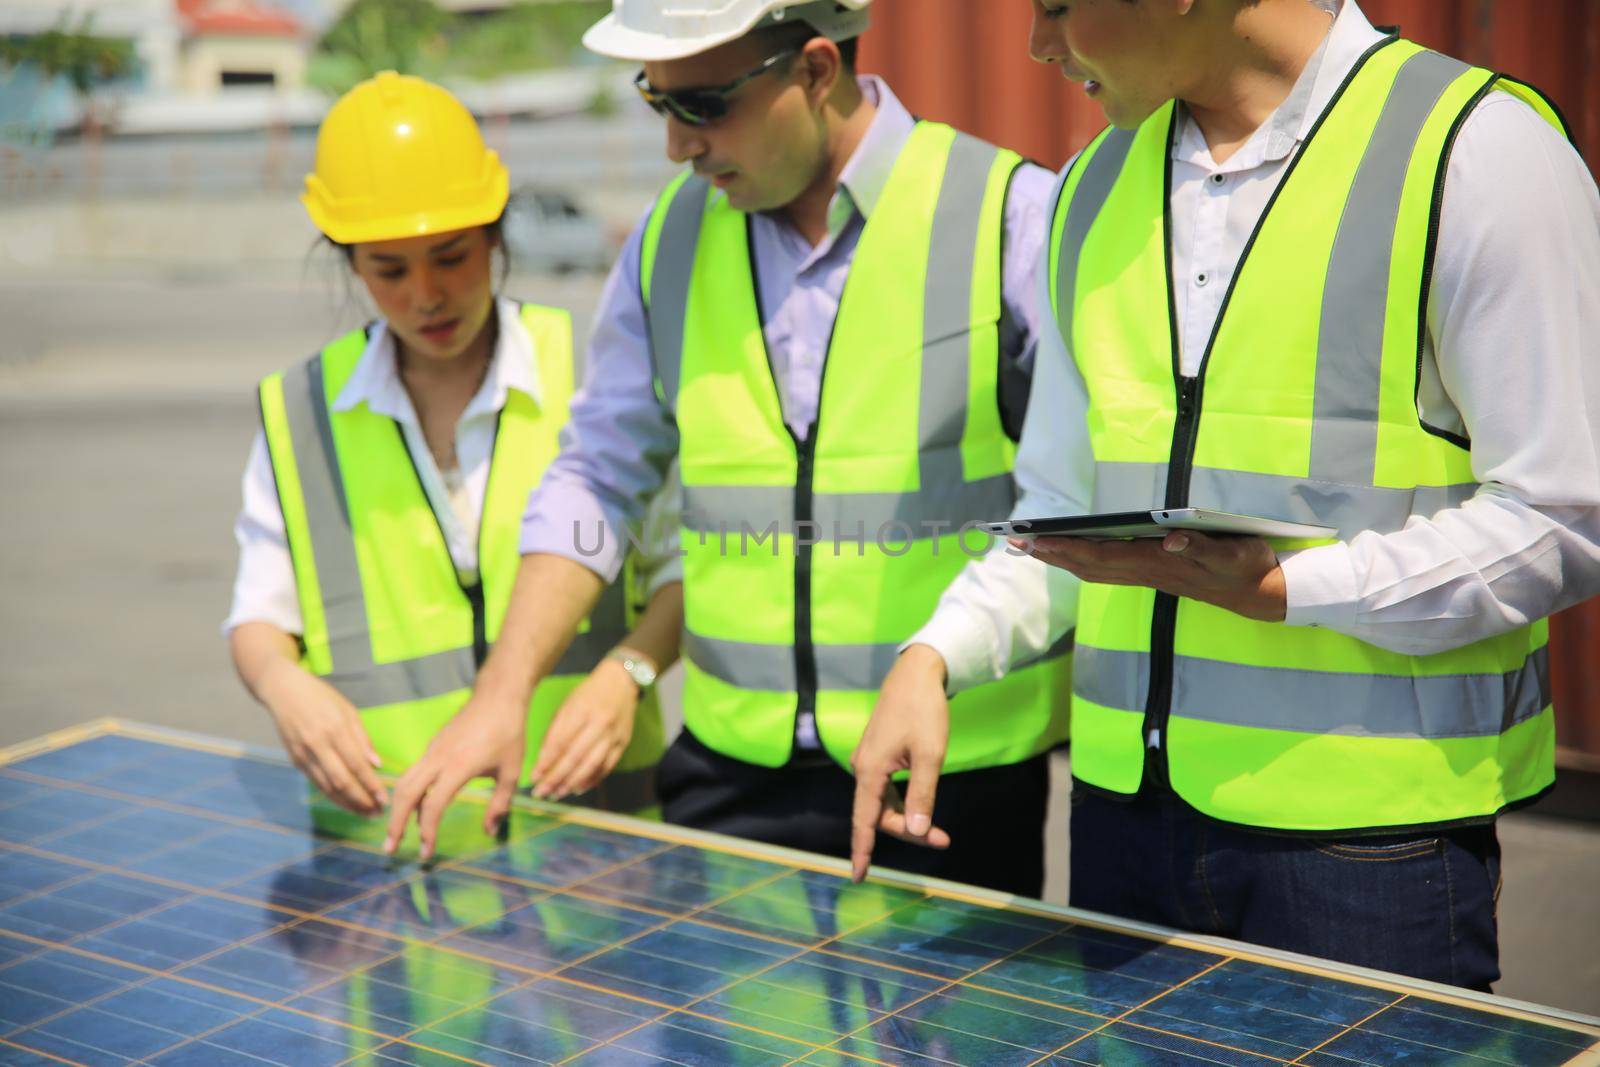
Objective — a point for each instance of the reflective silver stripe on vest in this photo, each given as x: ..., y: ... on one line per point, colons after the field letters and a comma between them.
x: 1355, y: 305
x: 938, y: 507
x: 748, y: 519
x: 1094, y: 189
x: 1339, y: 490
x: 944, y: 497
x: 333, y: 546
x: 946, y: 333
x: 770, y: 668
x: 363, y: 682
x: 377, y: 685
x: 1351, y: 508
x: 670, y: 278
x: 1323, y: 702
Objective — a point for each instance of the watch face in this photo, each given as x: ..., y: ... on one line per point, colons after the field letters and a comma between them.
x: 638, y: 668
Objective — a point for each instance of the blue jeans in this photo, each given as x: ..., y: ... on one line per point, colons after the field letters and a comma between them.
x: 1419, y: 904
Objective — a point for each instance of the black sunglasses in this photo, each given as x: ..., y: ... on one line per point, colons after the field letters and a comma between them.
x: 702, y: 107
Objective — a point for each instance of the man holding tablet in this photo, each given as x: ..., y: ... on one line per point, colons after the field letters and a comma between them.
x: 1313, y: 273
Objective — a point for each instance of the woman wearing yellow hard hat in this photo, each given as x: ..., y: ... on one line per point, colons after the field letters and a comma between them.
x: 385, y: 492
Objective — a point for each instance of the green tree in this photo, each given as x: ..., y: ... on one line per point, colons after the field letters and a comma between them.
x: 377, y: 35
x: 86, y: 59
x: 416, y: 37
x: 524, y: 37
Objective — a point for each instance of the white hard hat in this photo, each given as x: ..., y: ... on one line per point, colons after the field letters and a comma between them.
x: 656, y: 30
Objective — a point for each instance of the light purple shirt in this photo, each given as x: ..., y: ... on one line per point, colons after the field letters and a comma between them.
x: 620, y: 440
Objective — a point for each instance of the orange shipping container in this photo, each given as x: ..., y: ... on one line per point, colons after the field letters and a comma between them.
x: 965, y: 62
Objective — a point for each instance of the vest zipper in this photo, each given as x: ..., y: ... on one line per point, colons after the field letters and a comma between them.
x: 1164, y: 620
x: 480, y: 620
x: 805, y: 649
x: 473, y: 592
x: 1185, y: 432
x: 1180, y: 465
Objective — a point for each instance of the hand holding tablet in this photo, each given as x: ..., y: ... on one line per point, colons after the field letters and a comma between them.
x: 1210, y: 556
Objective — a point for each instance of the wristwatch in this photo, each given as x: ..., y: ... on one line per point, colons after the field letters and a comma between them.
x: 637, y: 664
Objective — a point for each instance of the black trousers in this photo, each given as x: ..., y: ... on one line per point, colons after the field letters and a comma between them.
x: 995, y: 816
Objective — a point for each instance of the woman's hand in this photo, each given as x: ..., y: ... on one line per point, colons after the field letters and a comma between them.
x: 323, y: 735
x: 589, y: 734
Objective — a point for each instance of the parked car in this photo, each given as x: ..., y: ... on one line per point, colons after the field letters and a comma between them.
x: 545, y: 230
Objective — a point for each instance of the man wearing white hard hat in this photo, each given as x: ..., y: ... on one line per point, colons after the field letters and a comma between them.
x: 829, y: 322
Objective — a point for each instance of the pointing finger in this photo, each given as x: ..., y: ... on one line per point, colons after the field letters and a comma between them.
x: 431, y: 813
x: 408, y: 793
x: 871, y: 782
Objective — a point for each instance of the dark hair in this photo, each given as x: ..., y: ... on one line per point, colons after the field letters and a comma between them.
x: 797, y: 34
x: 847, y: 51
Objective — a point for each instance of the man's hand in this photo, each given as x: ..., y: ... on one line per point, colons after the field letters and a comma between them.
x: 910, y: 730
x: 323, y: 735
x: 485, y: 739
x: 488, y: 737
x: 588, y: 735
x: 1240, y: 574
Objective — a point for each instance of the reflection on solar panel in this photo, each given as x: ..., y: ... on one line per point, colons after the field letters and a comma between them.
x: 171, y: 901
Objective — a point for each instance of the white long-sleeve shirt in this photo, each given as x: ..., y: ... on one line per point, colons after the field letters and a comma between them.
x: 264, y: 586
x: 1513, y: 322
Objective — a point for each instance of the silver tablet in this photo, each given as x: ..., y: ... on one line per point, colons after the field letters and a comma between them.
x: 1132, y: 524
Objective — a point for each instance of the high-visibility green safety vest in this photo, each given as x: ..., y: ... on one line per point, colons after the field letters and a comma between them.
x: 388, y: 619
x: 1305, y: 409
x: 809, y: 561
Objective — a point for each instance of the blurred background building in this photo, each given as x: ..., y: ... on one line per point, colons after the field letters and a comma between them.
x: 194, y: 67
x: 963, y: 61
x: 234, y: 43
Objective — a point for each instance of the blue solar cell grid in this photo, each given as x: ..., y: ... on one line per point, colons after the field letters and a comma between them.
x: 162, y: 903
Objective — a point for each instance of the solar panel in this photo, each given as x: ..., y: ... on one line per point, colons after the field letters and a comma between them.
x: 169, y: 900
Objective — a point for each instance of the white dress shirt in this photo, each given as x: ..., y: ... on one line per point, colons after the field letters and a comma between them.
x: 264, y: 588
x: 1512, y: 319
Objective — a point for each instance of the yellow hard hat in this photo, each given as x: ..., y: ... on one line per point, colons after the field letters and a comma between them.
x: 401, y: 157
